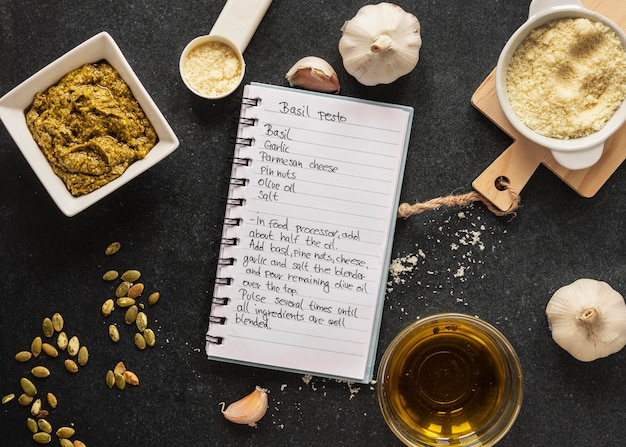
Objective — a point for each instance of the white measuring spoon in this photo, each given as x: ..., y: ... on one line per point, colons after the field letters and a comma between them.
x: 234, y: 28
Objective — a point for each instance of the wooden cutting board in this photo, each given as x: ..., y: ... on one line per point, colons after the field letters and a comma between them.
x: 520, y: 160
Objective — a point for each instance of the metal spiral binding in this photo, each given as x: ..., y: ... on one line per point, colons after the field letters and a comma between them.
x: 234, y: 201
x: 221, y: 300
x: 226, y: 261
x: 239, y: 141
x: 217, y: 320
x: 233, y: 221
x: 247, y: 121
x: 238, y: 181
x: 223, y: 281
x: 250, y: 101
x: 241, y: 161
x: 230, y: 241
x: 215, y: 340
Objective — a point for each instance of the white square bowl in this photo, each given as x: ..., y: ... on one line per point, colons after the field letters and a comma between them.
x: 14, y: 103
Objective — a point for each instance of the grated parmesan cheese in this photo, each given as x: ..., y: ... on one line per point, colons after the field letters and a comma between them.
x: 212, y: 69
x: 567, y: 78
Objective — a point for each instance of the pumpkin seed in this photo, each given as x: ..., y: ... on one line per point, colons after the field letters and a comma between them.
x: 150, y: 337
x: 107, y: 307
x: 153, y: 298
x: 62, y: 341
x: 122, y: 289
x: 71, y: 365
x: 114, y: 333
x: 44, y: 426
x: 52, y: 400
x: 40, y: 372
x: 131, y: 275
x: 42, y: 437
x: 73, y: 346
x: 31, y: 424
x: 131, y: 378
x: 140, y: 342
x: 120, y: 383
x: 78, y: 443
x: 47, y: 327
x: 110, y: 378
x: 50, y: 350
x: 119, y: 368
x: 28, y: 387
x: 141, y: 321
x: 7, y: 398
x: 83, y: 355
x: 131, y: 314
x: 111, y: 275
x: 57, y: 322
x: 36, y: 407
x: 125, y: 301
x: 42, y: 414
x: 113, y: 248
x: 35, y: 346
x: 66, y: 443
x: 23, y: 356
x: 65, y: 432
x: 25, y: 400
x: 135, y: 290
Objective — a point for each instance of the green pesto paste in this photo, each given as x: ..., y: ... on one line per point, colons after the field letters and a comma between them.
x: 90, y: 127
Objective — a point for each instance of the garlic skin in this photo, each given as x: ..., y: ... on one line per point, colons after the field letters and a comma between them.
x: 248, y: 410
x: 380, y: 44
x: 588, y: 319
x: 313, y: 73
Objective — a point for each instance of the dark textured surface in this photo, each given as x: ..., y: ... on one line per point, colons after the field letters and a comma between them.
x: 168, y: 220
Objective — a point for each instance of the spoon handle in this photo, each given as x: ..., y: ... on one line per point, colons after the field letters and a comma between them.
x: 239, y: 20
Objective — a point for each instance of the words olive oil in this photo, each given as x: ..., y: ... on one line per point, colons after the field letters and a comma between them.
x: 445, y: 382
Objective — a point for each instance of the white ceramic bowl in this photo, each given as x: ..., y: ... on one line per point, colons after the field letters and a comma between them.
x: 14, y: 103
x: 575, y: 153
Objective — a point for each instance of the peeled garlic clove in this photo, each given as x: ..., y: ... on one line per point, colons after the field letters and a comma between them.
x: 248, y: 410
x: 313, y: 73
x: 588, y: 319
x: 380, y: 43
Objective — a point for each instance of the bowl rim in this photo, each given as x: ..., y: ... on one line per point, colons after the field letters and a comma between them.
x: 13, y: 104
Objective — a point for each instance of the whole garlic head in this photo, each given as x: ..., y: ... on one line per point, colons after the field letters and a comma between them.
x: 588, y: 319
x: 380, y: 43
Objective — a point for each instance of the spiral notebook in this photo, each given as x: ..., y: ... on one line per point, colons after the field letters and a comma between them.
x: 308, y: 230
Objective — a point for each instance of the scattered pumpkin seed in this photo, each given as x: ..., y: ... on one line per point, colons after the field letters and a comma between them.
x: 114, y: 333
x: 31, y: 424
x: 35, y: 346
x: 111, y: 275
x: 42, y: 437
x: 25, y: 400
x: 83, y: 355
x: 28, y: 387
x: 131, y: 378
x: 131, y: 275
x: 65, y: 432
x: 7, y: 398
x: 150, y: 337
x: 107, y: 307
x: 47, y: 327
x: 119, y: 368
x: 122, y: 289
x: 140, y: 342
x: 131, y: 314
x: 135, y: 290
x: 66, y: 443
x: 71, y: 365
x: 44, y: 426
x: 153, y: 298
x: 40, y: 372
x: 50, y: 350
x: 57, y: 322
x: 43, y: 413
x: 36, y: 407
x: 125, y: 301
x: 73, y: 346
x: 120, y: 383
x: 113, y: 248
x: 141, y: 321
x: 62, y: 341
x: 110, y: 379
x: 52, y: 400
x: 78, y: 443
x: 23, y: 356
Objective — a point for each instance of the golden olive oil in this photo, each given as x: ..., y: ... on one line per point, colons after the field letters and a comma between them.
x: 445, y: 381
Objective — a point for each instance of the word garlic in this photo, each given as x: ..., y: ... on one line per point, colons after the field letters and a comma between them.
x: 588, y: 319
x: 380, y: 43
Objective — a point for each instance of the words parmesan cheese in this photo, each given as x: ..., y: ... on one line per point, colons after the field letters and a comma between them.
x: 567, y: 78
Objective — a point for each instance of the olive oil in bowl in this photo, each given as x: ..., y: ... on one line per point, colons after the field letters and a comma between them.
x: 450, y: 379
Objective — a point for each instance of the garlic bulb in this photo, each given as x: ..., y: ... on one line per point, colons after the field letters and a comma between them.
x: 313, y: 73
x: 248, y: 410
x: 588, y: 319
x: 380, y: 43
